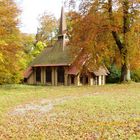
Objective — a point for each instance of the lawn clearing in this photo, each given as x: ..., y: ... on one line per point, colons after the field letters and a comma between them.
x: 98, y: 112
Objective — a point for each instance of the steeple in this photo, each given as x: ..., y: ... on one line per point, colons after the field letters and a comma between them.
x: 62, y: 36
x: 62, y: 26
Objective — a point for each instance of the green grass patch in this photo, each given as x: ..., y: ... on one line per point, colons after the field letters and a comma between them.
x: 98, y: 112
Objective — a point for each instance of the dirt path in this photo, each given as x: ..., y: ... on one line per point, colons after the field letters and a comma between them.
x: 42, y: 106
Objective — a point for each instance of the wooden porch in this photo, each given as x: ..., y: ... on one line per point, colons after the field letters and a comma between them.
x: 58, y: 76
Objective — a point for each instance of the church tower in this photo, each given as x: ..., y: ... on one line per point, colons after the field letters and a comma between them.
x: 62, y: 36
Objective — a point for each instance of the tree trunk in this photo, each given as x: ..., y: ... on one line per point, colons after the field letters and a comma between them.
x: 125, y: 73
x: 122, y: 45
x: 125, y: 69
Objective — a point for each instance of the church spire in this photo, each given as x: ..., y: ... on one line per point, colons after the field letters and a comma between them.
x: 62, y: 26
x: 62, y: 36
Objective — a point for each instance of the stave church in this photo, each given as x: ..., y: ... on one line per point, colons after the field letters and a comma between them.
x: 56, y: 66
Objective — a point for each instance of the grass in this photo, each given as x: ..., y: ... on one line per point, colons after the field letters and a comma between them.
x: 98, y: 112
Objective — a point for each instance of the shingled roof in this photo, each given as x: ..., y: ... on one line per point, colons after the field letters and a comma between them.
x: 54, y: 56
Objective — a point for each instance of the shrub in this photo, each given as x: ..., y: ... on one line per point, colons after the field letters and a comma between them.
x: 136, y: 75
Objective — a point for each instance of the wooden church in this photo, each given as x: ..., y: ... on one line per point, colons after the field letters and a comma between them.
x: 56, y: 66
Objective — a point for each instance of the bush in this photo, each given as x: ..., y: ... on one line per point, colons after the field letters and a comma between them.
x: 115, y: 74
x: 136, y: 75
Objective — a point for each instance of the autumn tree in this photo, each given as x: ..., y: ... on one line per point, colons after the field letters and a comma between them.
x: 109, y: 28
x: 10, y: 70
x: 88, y: 33
x: 28, y: 48
x: 47, y: 29
x: 129, y: 17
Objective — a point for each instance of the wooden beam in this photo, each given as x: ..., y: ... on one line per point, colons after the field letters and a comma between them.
x: 99, y: 80
x: 91, y: 80
x: 42, y: 75
x: 34, y: 75
x: 66, y: 80
x: 77, y: 80
x: 55, y: 77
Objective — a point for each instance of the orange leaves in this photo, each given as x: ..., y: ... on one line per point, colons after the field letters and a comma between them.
x: 90, y: 32
x: 109, y: 31
x: 9, y: 40
x: 108, y: 112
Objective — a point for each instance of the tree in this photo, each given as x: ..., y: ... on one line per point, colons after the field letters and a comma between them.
x: 31, y: 48
x: 10, y: 70
x: 89, y: 33
x: 47, y: 30
x: 28, y: 45
x: 37, y: 49
x: 129, y: 16
x: 106, y: 28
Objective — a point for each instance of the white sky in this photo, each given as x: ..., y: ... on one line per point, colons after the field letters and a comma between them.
x: 31, y: 9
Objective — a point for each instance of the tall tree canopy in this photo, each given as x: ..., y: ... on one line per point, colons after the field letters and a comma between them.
x: 47, y: 29
x: 108, y: 28
x: 9, y: 42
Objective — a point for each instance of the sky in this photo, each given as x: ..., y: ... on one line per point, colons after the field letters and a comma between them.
x: 31, y: 9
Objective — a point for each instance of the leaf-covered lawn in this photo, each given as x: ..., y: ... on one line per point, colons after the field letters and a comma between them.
x: 98, y: 112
